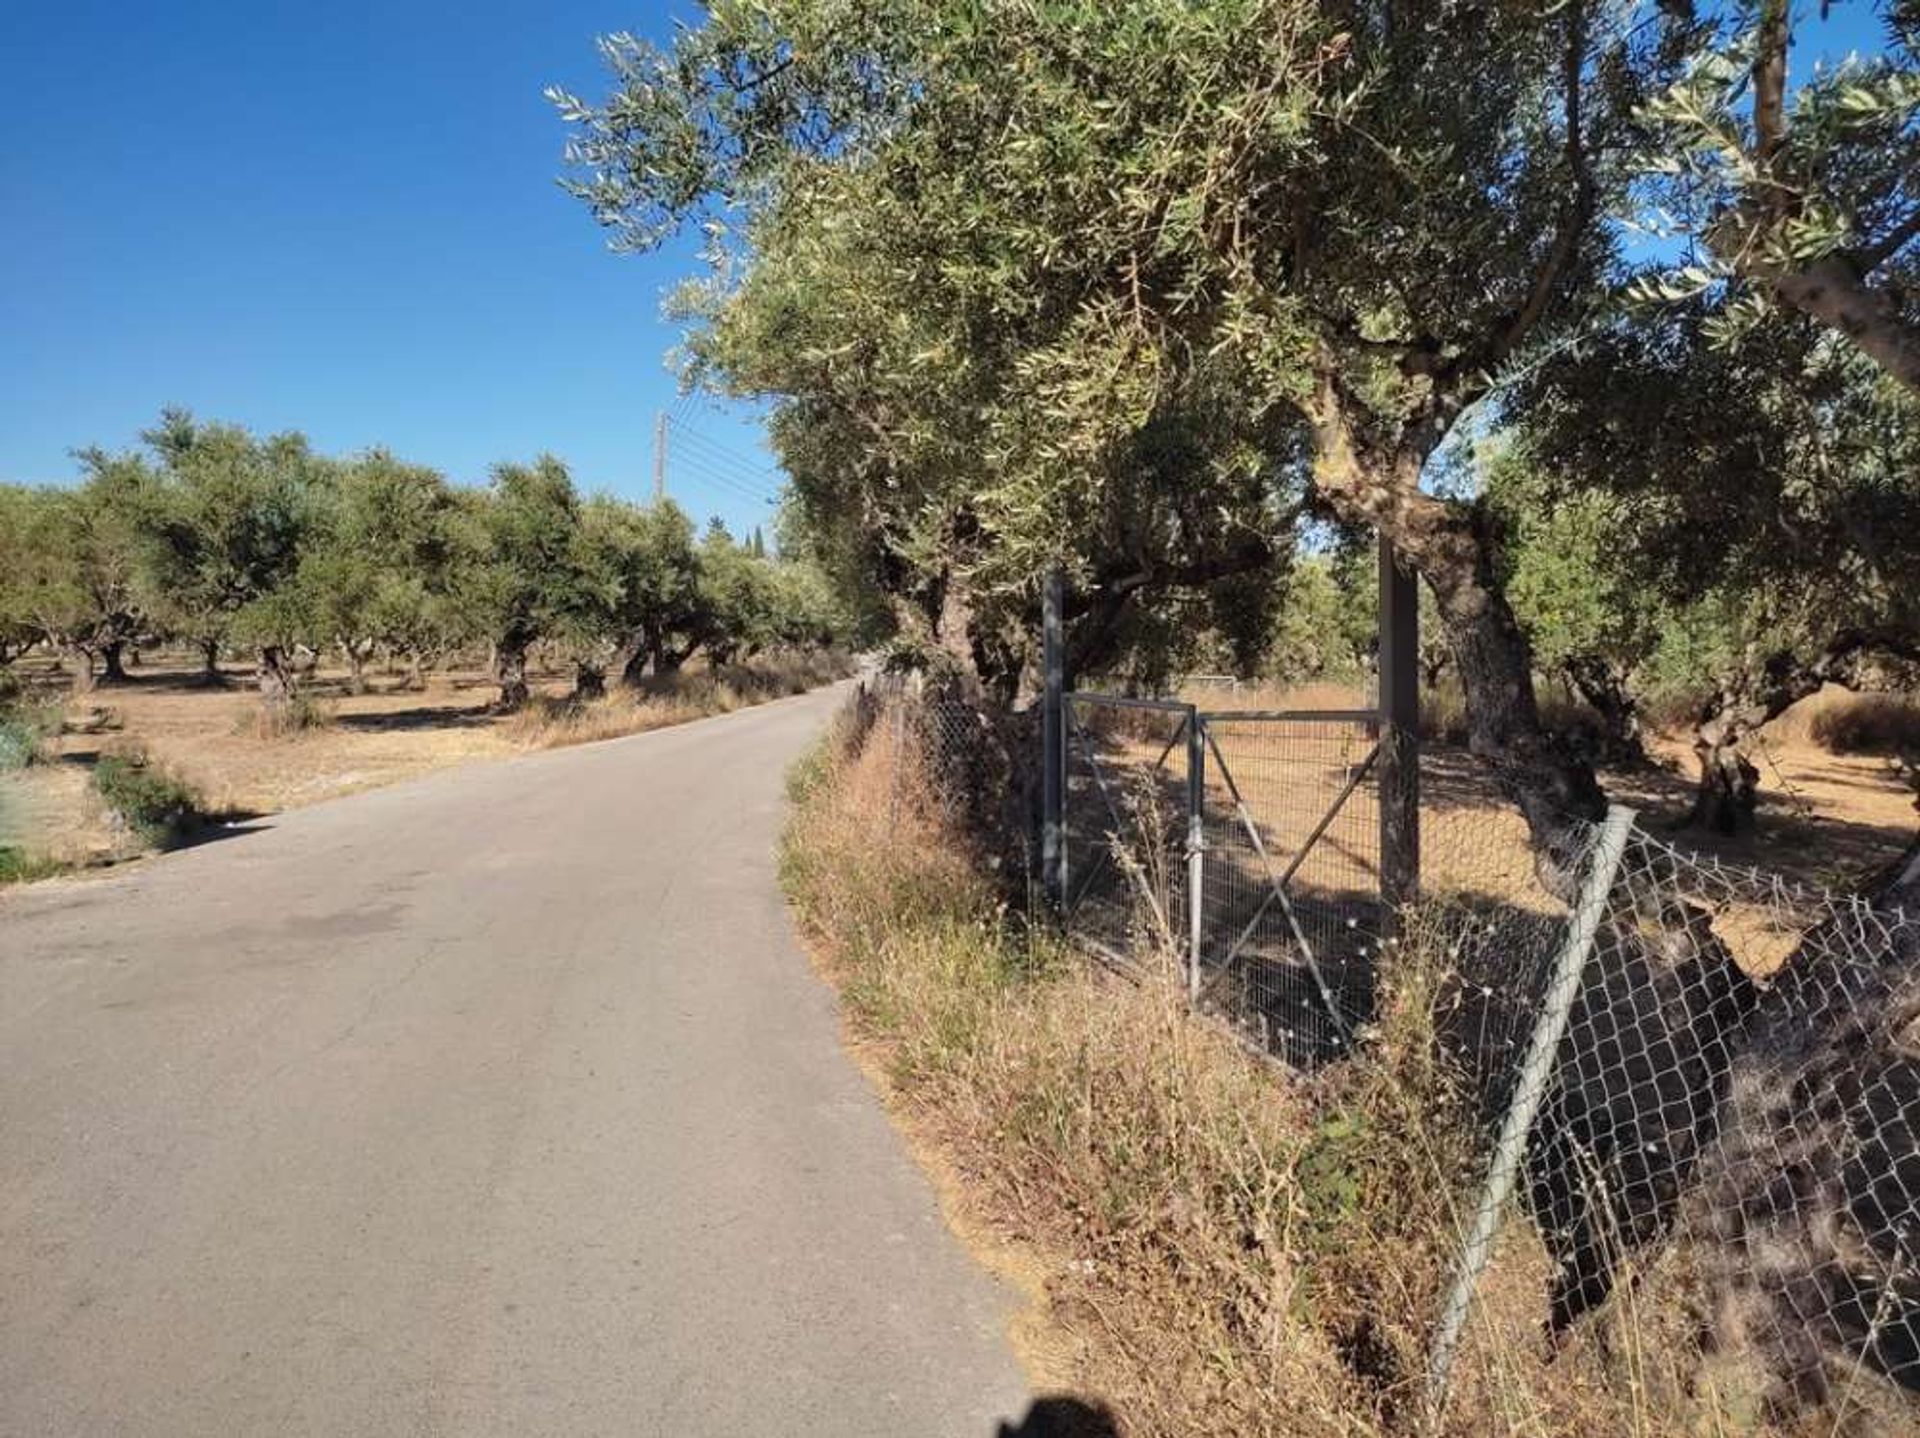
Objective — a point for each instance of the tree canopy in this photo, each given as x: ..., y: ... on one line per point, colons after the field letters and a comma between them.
x: 210, y: 535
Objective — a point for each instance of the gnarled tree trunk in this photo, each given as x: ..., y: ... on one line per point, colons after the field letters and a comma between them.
x: 80, y: 668
x: 356, y: 656
x: 114, y: 669
x: 1555, y: 791
x: 1762, y: 689
x: 210, y: 661
x: 275, y: 676
x: 589, y: 680
x: 510, y: 669
x: 1604, y: 689
x: 630, y: 661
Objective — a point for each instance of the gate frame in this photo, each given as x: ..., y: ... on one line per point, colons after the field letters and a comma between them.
x: 1397, y: 713
x: 1277, y: 883
x: 1395, y: 720
x: 1195, y: 838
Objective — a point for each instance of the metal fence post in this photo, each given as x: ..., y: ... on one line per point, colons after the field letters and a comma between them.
x: 1196, y: 847
x: 1053, y: 756
x: 1564, y: 982
x: 1399, y: 703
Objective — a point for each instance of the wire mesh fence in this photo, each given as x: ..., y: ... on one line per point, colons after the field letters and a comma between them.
x: 1691, y: 1092
x: 1291, y: 877
x: 1125, y: 824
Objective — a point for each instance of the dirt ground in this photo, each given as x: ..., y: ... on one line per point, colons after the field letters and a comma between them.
x: 1823, y: 818
x: 210, y: 738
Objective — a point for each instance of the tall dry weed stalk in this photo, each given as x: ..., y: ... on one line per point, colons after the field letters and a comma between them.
x: 1232, y: 1249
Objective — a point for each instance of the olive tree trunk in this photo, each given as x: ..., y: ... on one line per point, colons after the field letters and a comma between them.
x: 274, y: 675
x: 510, y: 669
x: 1763, y: 687
x: 80, y: 668
x: 1603, y: 688
x: 355, y: 655
x: 589, y: 680
x: 1455, y: 552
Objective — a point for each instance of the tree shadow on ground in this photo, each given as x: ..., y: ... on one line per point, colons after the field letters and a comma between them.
x: 1789, y: 836
x: 425, y: 716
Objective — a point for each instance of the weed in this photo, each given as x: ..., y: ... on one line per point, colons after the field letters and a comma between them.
x: 18, y: 866
x: 157, y: 807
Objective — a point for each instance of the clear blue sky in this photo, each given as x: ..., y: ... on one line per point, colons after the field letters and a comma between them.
x: 336, y: 218
x: 343, y: 219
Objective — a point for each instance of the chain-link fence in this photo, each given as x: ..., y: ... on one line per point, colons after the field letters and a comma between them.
x: 1691, y: 1091
x: 1125, y: 824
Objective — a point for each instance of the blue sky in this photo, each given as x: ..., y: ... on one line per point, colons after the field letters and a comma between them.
x: 343, y: 219
x: 340, y: 219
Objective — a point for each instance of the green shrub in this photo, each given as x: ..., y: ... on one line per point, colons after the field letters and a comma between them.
x: 17, y: 866
x: 160, y: 809
x: 24, y: 731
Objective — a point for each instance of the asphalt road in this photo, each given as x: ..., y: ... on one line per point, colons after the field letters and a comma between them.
x: 498, y: 1102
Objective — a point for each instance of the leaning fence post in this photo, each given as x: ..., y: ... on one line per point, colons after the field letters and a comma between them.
x: 1053, y: 758
x: 1196, y: 846
x: 1528, y: 1093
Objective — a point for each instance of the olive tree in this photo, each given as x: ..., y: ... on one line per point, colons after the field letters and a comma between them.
x: 1743, y: 515
x: 230, y: 518
x: 1141, y: 272
x: 526, y: 585
x: 77, y: 564
x: 375, y: 571
x: 1801, y: 194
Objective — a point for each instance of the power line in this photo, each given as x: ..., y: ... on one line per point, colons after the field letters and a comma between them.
x: 761, y: 487
x: 720, y: 450
x: 708, y: 474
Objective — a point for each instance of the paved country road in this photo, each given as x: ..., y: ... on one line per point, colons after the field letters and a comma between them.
x: 502, y: 1101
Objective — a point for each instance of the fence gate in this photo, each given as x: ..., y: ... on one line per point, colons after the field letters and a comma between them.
x: 1291, y: 909
x: 1129, y: 836
x: 1243, y: 843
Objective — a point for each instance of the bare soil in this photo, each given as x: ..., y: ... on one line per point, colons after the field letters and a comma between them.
x: 210, y: 737
x: 1824, y: 818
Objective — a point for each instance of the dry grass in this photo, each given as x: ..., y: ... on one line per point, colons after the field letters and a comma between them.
x: 1826, y: 816
x: 553, y: 722
x: 1887, y: 724
x: 213, y: 739
x: 1228, y: 1248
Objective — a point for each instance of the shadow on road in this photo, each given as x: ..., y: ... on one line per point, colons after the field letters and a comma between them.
x: 1061, y: 1417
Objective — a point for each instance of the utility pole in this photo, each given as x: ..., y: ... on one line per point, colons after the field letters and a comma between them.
x: 660, y: 458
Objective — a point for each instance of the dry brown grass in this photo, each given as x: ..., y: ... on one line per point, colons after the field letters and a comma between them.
x: 1885, y: 724
x: 1826, y: 817
x: 551, y: 722
x: 1228, y: 1248
x: 213, y: 738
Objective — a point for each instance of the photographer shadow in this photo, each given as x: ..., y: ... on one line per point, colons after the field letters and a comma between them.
x: 1061, y: 1417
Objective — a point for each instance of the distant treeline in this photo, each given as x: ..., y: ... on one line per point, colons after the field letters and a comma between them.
x: 212, y: 537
